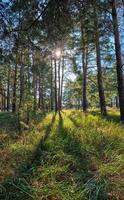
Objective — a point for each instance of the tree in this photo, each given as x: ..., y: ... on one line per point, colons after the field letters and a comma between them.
x: 119, y: 66
x: 99, y: 67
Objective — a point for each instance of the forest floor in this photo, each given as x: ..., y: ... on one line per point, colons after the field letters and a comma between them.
x: 67, y: 156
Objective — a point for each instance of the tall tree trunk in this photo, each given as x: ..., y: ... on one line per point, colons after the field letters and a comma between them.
x: 14, y: 87
x: 42, y: 92
x: 56, y: 102
x: 111, y: 103
x: 84, y: 68
x: 21, y: 96
x: 29, y: 82
x: 51, y: 95
x: 119, y: 66
x: 85, y: 80
x: 62, y: 80
x: 35, y: 91
x: 116, y: 102
x: 1, y: 99
x: 21, y: 81
x: 99, y: 68
x: 39, y: 102
x: 4, y: 100
x: 59, y: 86
x: 8, y: 89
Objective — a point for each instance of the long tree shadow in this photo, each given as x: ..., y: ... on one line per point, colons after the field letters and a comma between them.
x: 75, y: 122
x: 74, y: 147
x: 10, y: 137
x: 104, y: 142
x: 41, y: 145
x: 84, y: 169
x: 19, y: 186
x: 111, y: 117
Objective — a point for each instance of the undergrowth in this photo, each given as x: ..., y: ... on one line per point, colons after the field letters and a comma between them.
x: 67, y: 156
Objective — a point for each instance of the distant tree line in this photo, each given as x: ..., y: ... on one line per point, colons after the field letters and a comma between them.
x: 42, y: 41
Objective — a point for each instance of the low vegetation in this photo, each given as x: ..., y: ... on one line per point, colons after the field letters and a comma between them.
x: 67, y: 156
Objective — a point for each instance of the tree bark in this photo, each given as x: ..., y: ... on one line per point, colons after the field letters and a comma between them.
x: 42, y: 92
x: 4, y: 100
x: 39, y: 102
x: 51, y: 95
x: 35, y: 91
x: 59, y: 86
x: 117, y: 102
x: 119, y: 66
x: 56, y: 102
x: 62, y: 80
x: 8, y: 90
x: 84, y: 66
x: 85, y: 81
x: 21, y: 81
x: 99, y: 68
x: 14, y: 87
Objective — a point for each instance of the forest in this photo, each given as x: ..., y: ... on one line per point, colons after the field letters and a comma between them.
x: 62, y: 99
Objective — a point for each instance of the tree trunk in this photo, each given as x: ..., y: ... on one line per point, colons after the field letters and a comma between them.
x: 35, y: 91
x: 39, y: 102
x: 62, y: 79
x: 21, y: 82
x: 85, y: 81
x: 99, y: 68
x: 84, y: 68
x: 4, y: 100
x: 14, y: 87
x: 117, y: 102
x: 111, y: 103
x: 42, y: 93
x: 59, y: 86
x: 8, y: 90
x: 119, y: 66
x: 56, y: 102
x: 51, y: 95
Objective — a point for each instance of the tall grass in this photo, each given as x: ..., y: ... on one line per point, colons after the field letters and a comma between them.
x: 68, y: 156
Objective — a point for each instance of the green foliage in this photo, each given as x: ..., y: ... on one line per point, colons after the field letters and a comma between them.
x: 7, y: 119
x: 73, y: 89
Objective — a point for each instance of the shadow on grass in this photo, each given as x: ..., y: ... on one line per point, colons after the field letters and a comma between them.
x: 75, y: 122
x: 74, y: 147
x: 37, y: 116
x: 41, y: 145
x: 8, y: 122
x: 9, y: 131
x: 19, y: 186
x: 104, y: 142
x: 112, y: 117
x: 84, y: 168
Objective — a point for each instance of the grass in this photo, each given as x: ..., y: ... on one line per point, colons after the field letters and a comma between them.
x: 67, y: 156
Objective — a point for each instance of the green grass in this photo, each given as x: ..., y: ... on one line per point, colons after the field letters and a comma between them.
x: 68, y: 156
